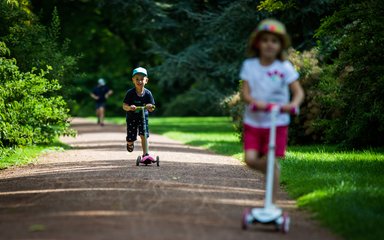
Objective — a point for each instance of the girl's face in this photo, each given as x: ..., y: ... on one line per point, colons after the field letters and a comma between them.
x: 139, y: 80
x: 269, y: 45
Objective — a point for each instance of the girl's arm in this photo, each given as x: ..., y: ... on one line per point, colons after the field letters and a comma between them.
x: 247, y: 98
x: 297, y: 96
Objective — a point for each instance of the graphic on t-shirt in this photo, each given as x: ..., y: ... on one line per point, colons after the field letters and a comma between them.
x: 276, y: 75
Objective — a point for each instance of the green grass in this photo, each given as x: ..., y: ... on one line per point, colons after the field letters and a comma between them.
x: 344, y: 190
x: 25, y: 155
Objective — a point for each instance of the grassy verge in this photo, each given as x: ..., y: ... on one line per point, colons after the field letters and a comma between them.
x: 344, y: 190
x: 25, y: 155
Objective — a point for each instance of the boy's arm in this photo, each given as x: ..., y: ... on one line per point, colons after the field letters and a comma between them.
x: 127, y: 107
x: 248, y: 99
x: 109, y: 93
x: 150, y: 106
x: 297, y: 96
x: 94, y: 96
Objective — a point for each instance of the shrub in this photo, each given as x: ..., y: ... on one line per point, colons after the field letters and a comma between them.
x: 352, y: 42
x: 30, y: 111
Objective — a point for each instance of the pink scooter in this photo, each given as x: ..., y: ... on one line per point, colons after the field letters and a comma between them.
x: 146, y: 158
x: 269, y: 214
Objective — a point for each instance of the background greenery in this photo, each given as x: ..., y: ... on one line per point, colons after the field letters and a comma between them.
x: 194, y: 49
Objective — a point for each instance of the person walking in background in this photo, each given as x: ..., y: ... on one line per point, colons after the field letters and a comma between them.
x: 268, y: 78
x: 100, y: 94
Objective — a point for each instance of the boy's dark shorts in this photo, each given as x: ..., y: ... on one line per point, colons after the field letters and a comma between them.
x: 134, y: 126
x: 99, y: 105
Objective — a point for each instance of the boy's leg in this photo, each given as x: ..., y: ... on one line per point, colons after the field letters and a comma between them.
x: 143, y: 144
x: 101, y: 114
x: 98, y: 114
x: 131, y: 134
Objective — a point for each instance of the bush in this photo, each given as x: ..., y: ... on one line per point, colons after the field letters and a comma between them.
x: 30, y: 110
x: 352, y: 42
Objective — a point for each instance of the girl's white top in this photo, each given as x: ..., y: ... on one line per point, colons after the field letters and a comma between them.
x: 269, y: 84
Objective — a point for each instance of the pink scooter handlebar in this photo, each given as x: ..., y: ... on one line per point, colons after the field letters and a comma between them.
x: 293, y: 111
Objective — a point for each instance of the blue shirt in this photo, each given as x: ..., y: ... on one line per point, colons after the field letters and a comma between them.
x: 132, y: 98
x: 100, y: 91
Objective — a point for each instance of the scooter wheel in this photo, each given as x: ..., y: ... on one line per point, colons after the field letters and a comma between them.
x: 285, y: 224
x: 158, y: 161
x: 138, y: 160
x: 244, y: 221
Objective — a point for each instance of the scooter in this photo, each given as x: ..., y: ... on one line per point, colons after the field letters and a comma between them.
x: 146, y: 158
x: 269, y: 214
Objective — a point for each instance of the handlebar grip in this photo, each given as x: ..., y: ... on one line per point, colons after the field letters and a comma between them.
x: 293, y: 111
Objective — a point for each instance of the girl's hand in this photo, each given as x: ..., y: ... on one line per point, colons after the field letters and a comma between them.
x: 288, y: 107
x: 150, y: 107
x: 258, y: 105
x: 133, y: 107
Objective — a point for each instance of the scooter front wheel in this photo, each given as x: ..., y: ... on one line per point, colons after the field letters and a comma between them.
x: 158, y: 161
x: 286, y: 222
x: 138, y: 160
x: 244, y: 219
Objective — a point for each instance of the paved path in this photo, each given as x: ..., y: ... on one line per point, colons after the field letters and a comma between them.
x: 95, y: 191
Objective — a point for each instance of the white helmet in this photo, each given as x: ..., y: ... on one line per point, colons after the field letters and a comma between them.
x: 101, y: 81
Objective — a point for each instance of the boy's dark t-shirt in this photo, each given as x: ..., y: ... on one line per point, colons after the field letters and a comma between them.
x: 132, y: 98
x: 100, y: 91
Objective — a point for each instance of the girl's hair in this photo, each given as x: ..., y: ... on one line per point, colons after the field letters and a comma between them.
x: 254, y: 51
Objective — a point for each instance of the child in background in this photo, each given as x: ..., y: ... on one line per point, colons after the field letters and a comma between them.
x: 137, y: 96
x: 100, y: 94
x: 268, y: 78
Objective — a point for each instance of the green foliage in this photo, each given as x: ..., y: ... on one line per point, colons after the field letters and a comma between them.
x: 206, y: 69
x: 353, y: 41
x: 30, y: 111
x: 273, y: 5
x: 36, y: 46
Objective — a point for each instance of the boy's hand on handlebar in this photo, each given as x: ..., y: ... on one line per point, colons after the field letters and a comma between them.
x: 132, y: 108
x: 150, y: 107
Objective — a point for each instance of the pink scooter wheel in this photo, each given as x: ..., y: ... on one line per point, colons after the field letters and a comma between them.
x: 244, y: 221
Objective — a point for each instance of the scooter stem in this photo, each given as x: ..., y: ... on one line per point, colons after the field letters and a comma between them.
x: 145, y: 131
x: 271, y: 158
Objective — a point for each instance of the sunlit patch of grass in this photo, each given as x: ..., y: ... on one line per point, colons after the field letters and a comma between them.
x: 343, y: 189
x: 25, y: 155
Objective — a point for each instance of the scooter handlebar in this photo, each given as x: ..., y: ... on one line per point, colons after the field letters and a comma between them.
x: 270, y: 106
x: 144, y: 107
